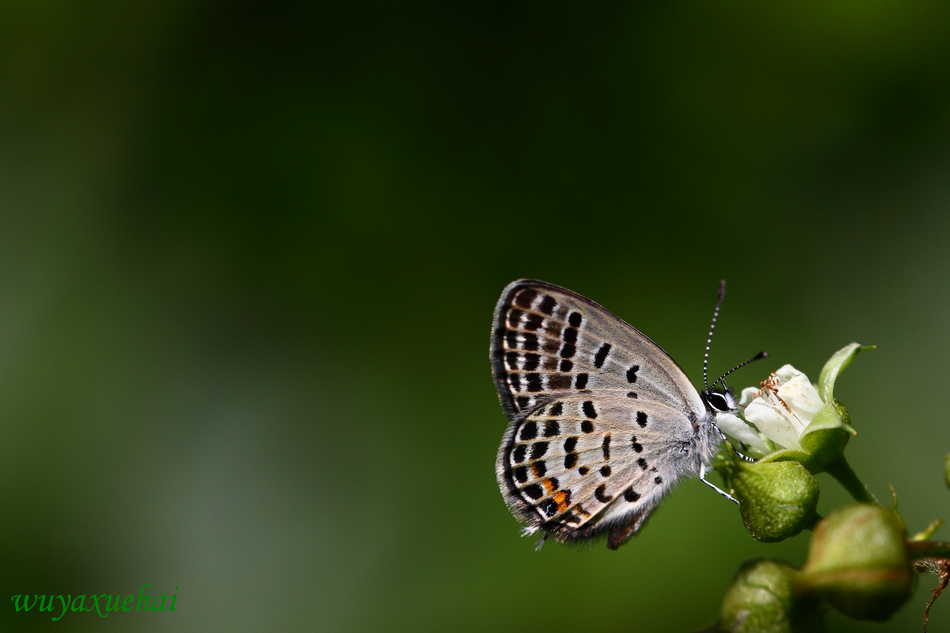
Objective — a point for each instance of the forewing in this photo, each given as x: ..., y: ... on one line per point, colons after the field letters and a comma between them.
x: 584, y: 464
x: 549, y: 342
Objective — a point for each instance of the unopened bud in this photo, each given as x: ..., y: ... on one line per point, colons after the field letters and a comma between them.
x: 777, y: 500
x: 763, y: 599
x: 859, y: 563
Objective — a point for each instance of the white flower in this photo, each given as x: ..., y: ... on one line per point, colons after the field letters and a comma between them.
x: 783, y: 408
x: 734, y: 426
x: 787, y: 411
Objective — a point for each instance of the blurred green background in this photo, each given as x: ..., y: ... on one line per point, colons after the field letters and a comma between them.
x: 249, y: 255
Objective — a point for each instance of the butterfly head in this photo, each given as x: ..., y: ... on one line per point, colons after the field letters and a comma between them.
x: 720, y: 400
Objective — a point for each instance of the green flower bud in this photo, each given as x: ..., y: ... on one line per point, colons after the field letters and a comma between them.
x: 859, y: 563
x: 777, y: 499
x: 763, y: 599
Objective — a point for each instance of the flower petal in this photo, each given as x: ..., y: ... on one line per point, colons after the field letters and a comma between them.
x: 734, y: 426
x: 786, y: 372
x: 801, y: 397
x: 748, y: 395
x: 774, y: 423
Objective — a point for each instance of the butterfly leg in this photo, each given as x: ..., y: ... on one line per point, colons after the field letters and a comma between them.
x: 734, y: 450
x: 702, y: 478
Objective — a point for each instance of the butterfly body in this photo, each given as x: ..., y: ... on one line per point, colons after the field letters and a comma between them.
x: 603, y: 421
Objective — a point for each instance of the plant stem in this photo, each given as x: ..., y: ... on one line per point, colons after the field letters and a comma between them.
x: 841, y: 470
x: 928, y: 549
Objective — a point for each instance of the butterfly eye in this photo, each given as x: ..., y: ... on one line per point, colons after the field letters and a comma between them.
x: 718, y: 401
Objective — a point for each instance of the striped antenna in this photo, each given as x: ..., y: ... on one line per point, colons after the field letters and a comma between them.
x: 759, y: 356
x: 722, y: 293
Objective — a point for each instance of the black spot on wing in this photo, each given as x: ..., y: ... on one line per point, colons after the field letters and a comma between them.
x: 630, y: 495
x: 539, y: 468
x: 534, y: 382
x: 519, y: 453
x: 601, y: 355
x: 632, y: 373
x: 529, y: 342
x: 538, y: 450
x: 525, y: 297
x: 533, y: 322
x: 529, y: 431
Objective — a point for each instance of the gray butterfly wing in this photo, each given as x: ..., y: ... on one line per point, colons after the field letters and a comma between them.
x: 587, y: 464
x: 550, y: 342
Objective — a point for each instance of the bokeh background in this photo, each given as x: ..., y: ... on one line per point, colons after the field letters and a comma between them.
x: 249, y: 255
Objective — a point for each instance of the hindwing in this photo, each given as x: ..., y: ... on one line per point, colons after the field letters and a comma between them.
x: 581, y: 465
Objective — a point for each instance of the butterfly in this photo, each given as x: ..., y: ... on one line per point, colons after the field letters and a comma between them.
x: 603, y: 422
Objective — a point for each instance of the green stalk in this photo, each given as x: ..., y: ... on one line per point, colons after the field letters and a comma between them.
x: 841, y: 470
